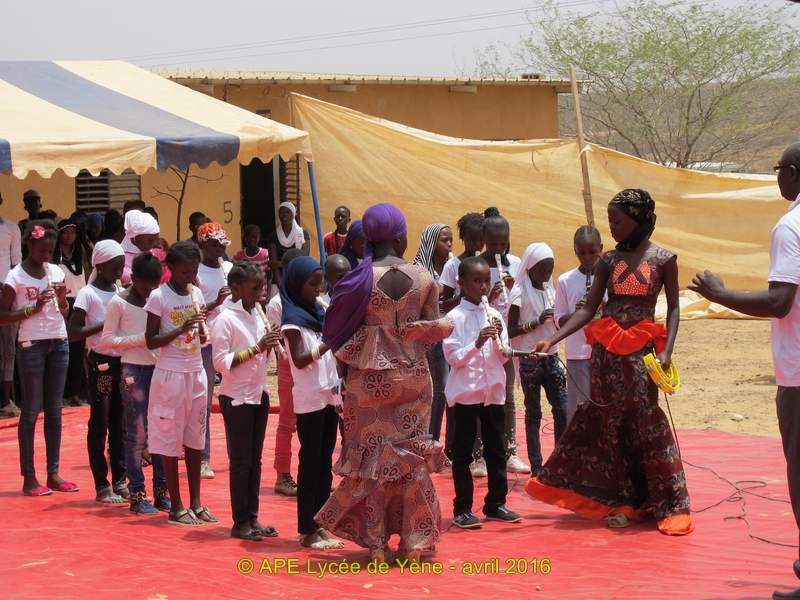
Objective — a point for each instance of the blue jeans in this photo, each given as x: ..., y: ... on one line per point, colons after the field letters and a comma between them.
x: 208, y: 367
x: 135, y: 397
x: 42, y: 370
x: 545, y: 373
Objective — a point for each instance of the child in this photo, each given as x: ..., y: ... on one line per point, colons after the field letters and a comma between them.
x: 212, y: 280
x: 470, y: 232
x: 353, y: 247
x: 315, y: 394
x: 334, y: 240
x: 617, y: 459
x: 34, y: 295
x: 530, y: 319
x: 435, y: 246
x: 105, y: 403
x: 496, y: 232
x: 123, y: 333
x: 571, y: 291
x: 255, y: 254
x: 476, y: 391
x: 241, y: 345
x: 336, y: 267
x: 287, y: 423
x: 141, y: 233
x: 176, y: 415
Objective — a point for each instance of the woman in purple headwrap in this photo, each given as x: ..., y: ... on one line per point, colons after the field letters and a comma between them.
x: 383, y: 317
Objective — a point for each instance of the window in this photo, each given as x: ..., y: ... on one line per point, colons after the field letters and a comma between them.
x: 106, y: 191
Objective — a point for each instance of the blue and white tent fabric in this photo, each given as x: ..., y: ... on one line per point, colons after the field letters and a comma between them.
x: 94, y: 115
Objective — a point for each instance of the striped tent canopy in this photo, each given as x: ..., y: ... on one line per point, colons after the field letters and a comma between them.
x: 94, y: 115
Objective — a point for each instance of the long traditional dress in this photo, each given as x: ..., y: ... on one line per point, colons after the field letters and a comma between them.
x: 618, y: 455
x: 388, y: 453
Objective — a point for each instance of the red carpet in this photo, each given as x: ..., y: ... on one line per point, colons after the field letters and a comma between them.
x: 67, y: 546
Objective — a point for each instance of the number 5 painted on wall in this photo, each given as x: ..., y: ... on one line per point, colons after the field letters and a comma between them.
x: 228, y: 212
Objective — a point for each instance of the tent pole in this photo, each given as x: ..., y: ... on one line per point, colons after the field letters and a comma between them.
x: 313, y: 182
x: 587, y: 188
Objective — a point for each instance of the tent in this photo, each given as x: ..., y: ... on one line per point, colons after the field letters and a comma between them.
x: 712, y: 221
x: 95, y: 115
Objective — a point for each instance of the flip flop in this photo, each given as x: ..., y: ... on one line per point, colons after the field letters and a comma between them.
x: 66, y: 486
x: 38, y: 491
x: 202, y: 513
x: 183, y: 518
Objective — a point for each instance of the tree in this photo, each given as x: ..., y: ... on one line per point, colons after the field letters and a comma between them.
x: 675, y: 82
x: 178, y: 193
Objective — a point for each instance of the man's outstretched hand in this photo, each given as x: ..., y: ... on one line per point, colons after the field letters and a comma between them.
x: 708, y: 285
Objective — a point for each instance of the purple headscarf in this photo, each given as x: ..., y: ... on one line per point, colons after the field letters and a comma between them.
x: 381, y: 223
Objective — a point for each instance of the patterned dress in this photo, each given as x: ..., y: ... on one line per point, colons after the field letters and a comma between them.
x: 388, y: 453
x: 618, y: 455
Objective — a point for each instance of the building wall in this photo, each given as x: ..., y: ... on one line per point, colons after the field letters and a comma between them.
x: 219, y: 197
x: 492, y: 113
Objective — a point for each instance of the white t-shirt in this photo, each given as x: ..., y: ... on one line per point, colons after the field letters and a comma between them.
x: 531, y: 306
x: 784, y: 252
x: 274, y: 310
x: 313, y: 384
x: 234, y: 330
x: 571, y: 288
x: 123, y: 332
x: 182, y: 354
x: 211, y: 280
x: 47, y: 324
x: 94, y: 303
x: 74, y: 283
x: 10, y: 247
x: 512, y: 269
x: 449, y: 275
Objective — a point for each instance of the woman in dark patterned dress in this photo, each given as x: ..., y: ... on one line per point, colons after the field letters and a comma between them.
x: 383, y: 317
x: 618, y: 457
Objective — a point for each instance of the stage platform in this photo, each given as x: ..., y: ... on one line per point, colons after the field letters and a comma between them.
x: 68, y: 546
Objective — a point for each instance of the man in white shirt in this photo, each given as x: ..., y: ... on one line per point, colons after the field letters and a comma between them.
x: 10, y: 256
x: 781, y: 302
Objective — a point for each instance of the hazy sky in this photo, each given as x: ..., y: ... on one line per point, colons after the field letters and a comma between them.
x: 135, y: 31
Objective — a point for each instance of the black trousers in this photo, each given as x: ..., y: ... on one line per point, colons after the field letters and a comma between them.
x: 245, y: 426
x: 106, y: 419
x: 317, y: 434
x: 492, y: 425
x: 788, y: 407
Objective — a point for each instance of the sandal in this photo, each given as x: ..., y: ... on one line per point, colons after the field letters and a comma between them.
x: 121, y: 489
x: 264, y: 530
x: 205, y: 515
x: 39, y: 490
x: 184, y: 518
x: 66, y: 486
x: 618, y: 521
x: 107, y: 496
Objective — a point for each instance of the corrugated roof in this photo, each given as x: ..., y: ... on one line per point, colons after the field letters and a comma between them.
x: 211, y: 76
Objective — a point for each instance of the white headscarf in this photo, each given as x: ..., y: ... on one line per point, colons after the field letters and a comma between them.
x: 138, y: 223
x: 296, y: 236
x: 104, y: 251
x: 523, y: 287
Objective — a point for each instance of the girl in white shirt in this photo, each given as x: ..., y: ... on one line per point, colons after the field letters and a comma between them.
x: 241, y: 345
x: 123, y: 333
x: 496, y: 233
x: 105, y: 403
x: 529, y: 321
x: 315, y: 393
x: 34, y: 295
x: 212, y: 281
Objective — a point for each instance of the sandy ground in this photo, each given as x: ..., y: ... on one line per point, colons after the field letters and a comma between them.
x: 727, y: 378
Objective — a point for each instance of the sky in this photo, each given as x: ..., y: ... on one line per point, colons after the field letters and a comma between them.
x: 413, y: 37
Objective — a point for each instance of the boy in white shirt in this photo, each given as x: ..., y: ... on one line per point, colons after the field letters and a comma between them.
x: 123, y: 331
x: 241, y: 345
x: 105, y: 402
x: 531, y: 320
x: 571, y: 291
x: 213, y: 283
x: 176, y: 415
x: 476, y: 391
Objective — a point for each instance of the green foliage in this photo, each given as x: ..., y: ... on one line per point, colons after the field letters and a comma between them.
x: 676, y: 82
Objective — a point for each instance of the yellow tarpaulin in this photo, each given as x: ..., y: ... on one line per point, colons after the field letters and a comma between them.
x: 712, y: 221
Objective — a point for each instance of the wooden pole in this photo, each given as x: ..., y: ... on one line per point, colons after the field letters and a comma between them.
x: 587, y: 188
